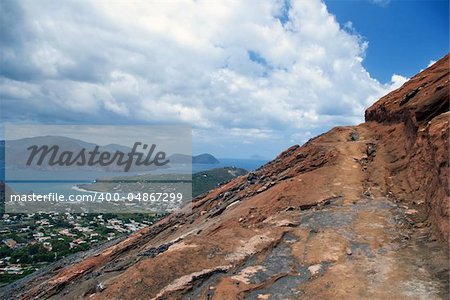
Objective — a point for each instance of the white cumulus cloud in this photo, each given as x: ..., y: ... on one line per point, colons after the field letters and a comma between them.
x: 234, y: 70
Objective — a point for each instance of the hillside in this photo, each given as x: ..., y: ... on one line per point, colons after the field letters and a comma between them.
x: 201, y: 181
x: 207, y: 180
x: 204, y: 158
x: 358, y: 212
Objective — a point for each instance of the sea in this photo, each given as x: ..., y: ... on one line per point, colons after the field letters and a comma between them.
x: 48, y: 181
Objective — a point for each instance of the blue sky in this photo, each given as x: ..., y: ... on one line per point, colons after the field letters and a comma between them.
x: 250, y: 77
x: 403, y: 35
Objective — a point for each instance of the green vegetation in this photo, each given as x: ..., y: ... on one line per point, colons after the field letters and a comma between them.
x: 210, y: 179
x: 31, y: 241
x: 201, y: 181
x: 10, y: 278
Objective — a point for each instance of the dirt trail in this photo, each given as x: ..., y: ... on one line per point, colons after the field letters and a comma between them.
x: 386, y: 257
x: 333, y: 255
x: 353, y: 248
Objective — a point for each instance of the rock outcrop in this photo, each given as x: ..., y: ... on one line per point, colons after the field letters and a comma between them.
x: 417, y: 141
x: 358, y: 212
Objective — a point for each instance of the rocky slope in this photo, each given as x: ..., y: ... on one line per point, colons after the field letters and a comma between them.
x: 358, y: 212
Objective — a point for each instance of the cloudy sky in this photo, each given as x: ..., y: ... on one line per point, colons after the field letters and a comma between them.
x: 250, y: 77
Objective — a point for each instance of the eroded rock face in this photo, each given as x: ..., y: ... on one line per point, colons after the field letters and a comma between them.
x: 358, y: 212
x: 417, y: 140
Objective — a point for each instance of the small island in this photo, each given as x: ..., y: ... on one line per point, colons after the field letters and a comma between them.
x: 204, y: 158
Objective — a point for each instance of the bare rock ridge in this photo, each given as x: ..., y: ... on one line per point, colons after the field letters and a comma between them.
x: 358, y: 212
x: 420, y: 146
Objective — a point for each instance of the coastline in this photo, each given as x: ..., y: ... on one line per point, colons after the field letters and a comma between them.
x: 78, y: 188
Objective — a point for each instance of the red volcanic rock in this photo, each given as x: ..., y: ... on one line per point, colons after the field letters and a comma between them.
x: 358, y: 212
x: 419, y: 145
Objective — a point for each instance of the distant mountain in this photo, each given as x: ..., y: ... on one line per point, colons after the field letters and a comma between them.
x: 204, y: 158
x: 116, y: 147
x: 18, y: 153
